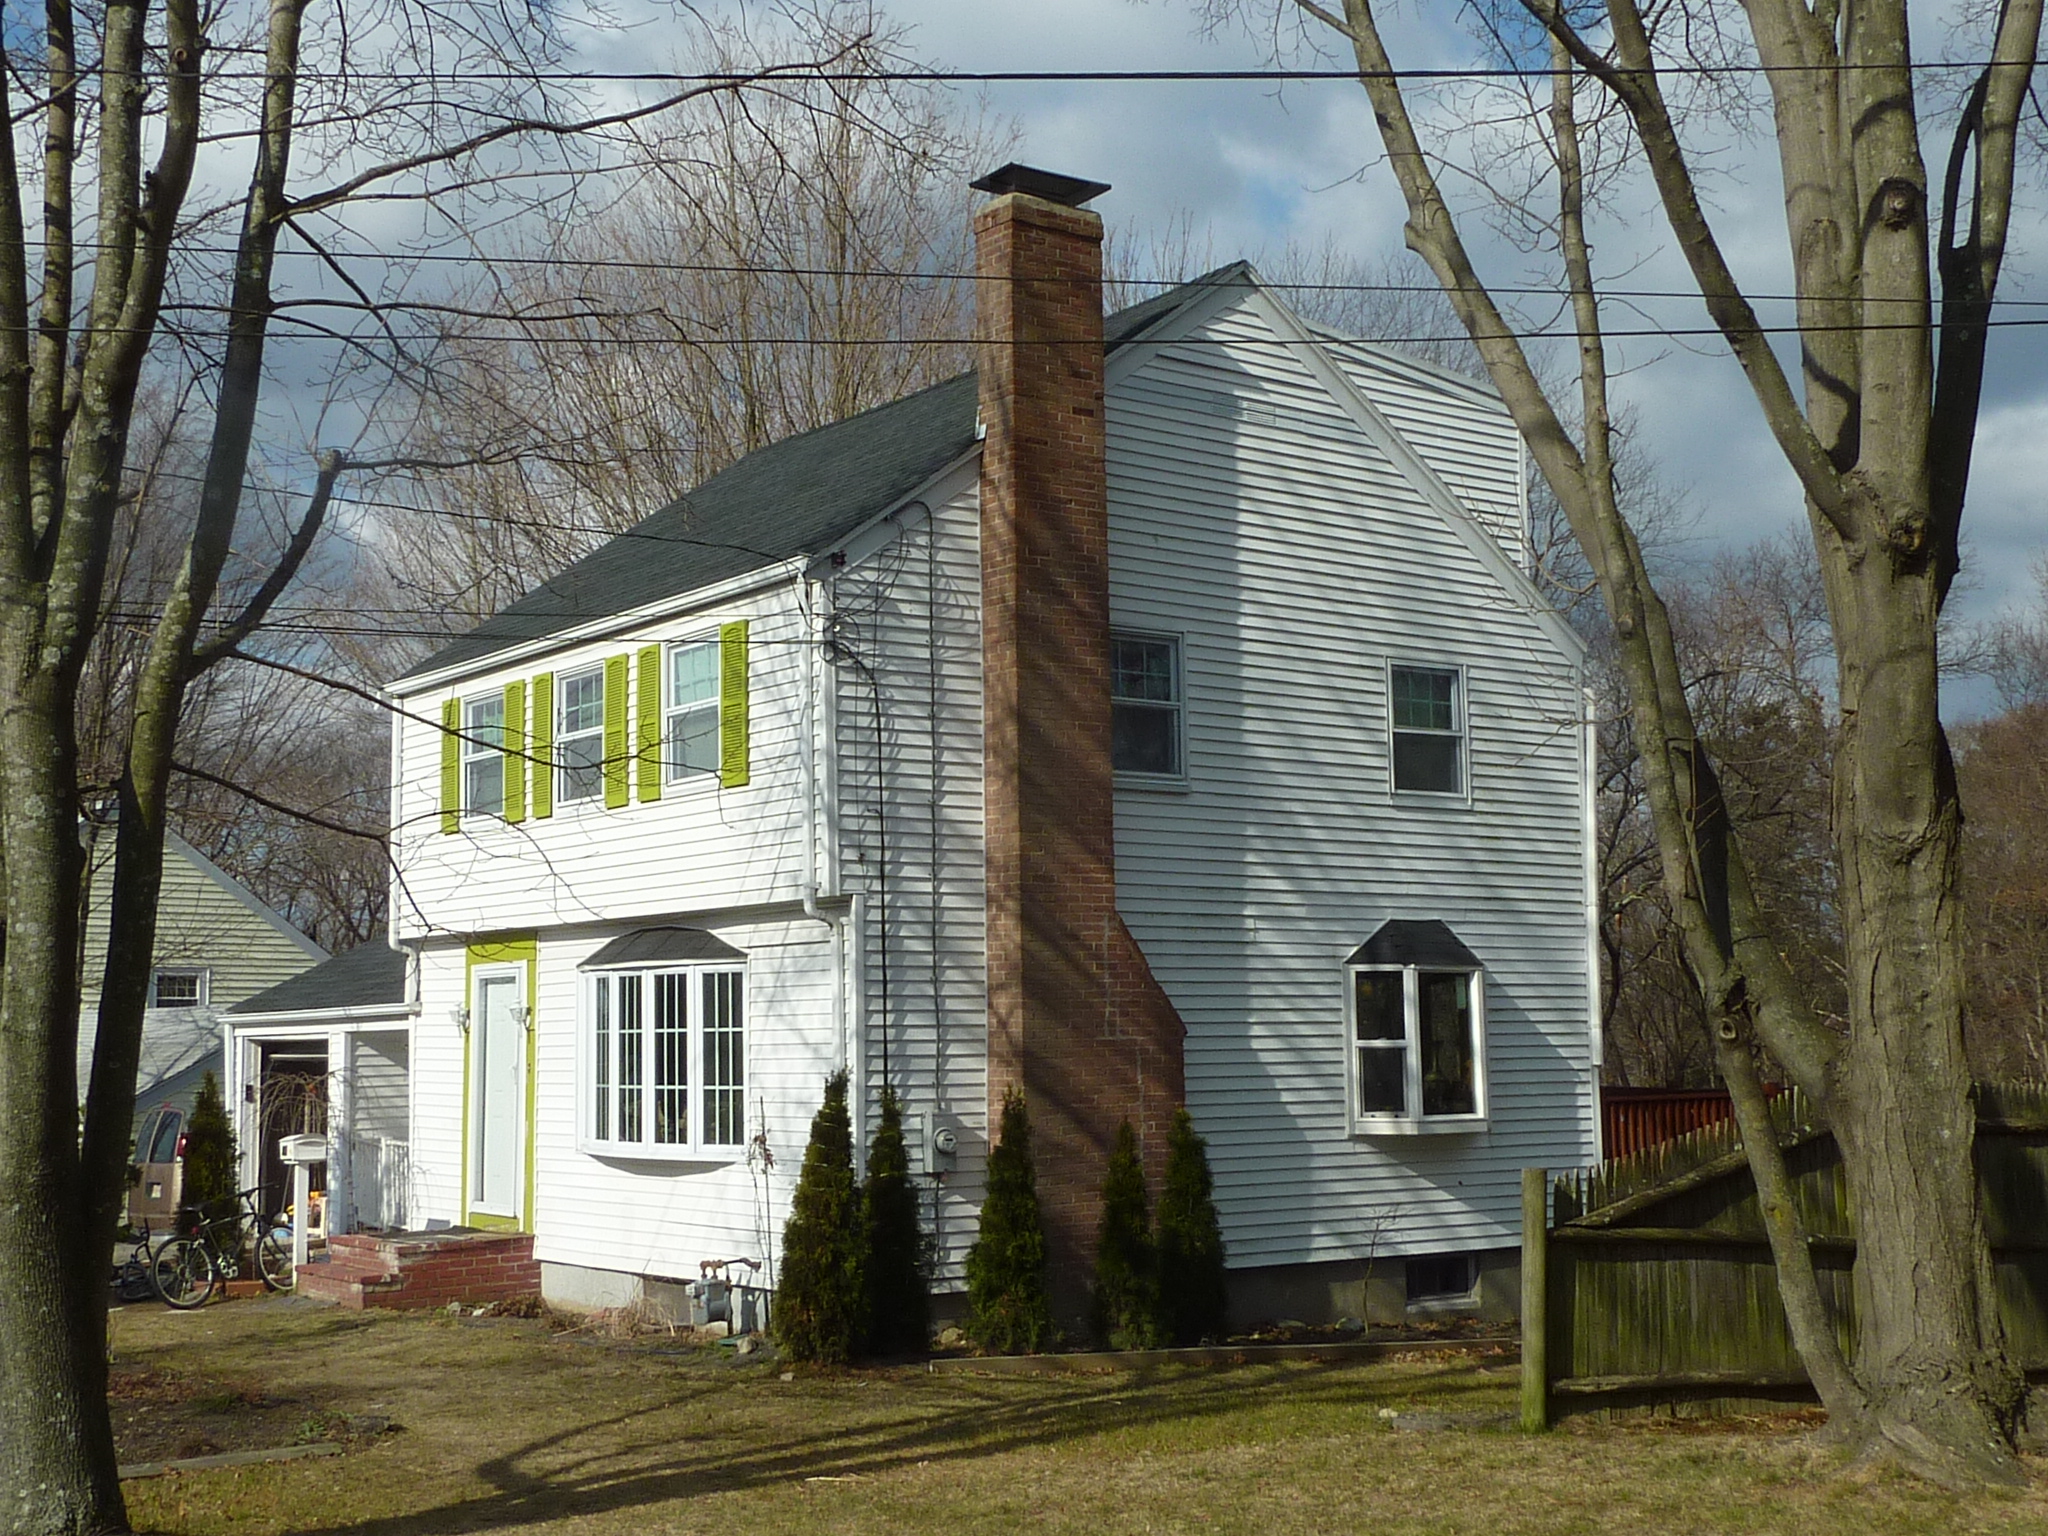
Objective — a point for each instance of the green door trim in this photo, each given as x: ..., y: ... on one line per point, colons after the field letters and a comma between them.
x: 505, y: 949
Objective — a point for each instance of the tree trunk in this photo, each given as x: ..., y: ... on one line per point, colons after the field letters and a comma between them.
x: 57, y: 1465
x: 1932, y: 1345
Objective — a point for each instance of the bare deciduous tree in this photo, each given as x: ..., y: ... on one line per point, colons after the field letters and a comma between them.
x: 1894, y: 297
x: 772, y: 266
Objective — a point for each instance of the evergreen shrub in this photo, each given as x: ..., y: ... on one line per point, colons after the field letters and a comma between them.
x: 1007, y: 1309
x: 819, y: 1307
x: 894, y: 1268
x: 209, y: 1176
x: 1192, y: 1301
x: 1125, y: 1310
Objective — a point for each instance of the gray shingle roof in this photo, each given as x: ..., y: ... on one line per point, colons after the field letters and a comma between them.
x: 371, y: 975
x: 798, y: 497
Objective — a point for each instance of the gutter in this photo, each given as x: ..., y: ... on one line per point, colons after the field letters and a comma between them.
x: 775, y: 575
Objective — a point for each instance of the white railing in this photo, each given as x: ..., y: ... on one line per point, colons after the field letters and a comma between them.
x: 380, y: 1183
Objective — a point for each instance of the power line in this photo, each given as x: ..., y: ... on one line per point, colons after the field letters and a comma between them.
x: 744, y: 269
x: 779, y: 75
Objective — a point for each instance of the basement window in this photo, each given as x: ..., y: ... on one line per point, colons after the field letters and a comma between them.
x: 1415, y: 1020
x: 1441, y: 1277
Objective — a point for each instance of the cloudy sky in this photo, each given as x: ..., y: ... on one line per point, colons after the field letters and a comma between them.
x: 1252, y: 167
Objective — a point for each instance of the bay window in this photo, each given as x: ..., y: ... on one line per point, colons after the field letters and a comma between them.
x: 1415, y: 1024
x: 665, y: 1059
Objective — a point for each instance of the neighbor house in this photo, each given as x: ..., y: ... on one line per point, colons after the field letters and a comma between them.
x: 216, y: 944
x: 1162, y: 713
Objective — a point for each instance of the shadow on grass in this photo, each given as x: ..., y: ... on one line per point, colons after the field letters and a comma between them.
x: 701, y: 1443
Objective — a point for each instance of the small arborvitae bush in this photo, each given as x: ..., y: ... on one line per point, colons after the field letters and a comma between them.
x: 1192, y: 1301
x: 819, y: 1311
x: 1126, y: 1300
x: 1007, y: 1310
x: 209, y: 1175
x: 898, y: 1301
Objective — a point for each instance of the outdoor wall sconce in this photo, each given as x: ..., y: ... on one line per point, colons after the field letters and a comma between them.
x: 523, y: 1017
x: 459, y: 1017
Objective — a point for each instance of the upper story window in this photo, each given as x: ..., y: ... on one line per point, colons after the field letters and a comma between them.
x: 1415, y: 1019
x: 184, y: 987
x: 483, y: 755
x: 579, y: 736
x: 666, y: 1061
x: 1427, y: 713
x: 1146, y: 706
x: 691, y: 727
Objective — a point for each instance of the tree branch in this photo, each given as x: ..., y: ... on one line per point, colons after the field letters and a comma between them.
x: 332, y: 462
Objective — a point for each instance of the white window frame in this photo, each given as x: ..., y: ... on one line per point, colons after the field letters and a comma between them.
x: 474, y: 752
x: 562, y: 738
x: 201, y: 976
x: 1411, y: 1120
x: 604, y: 1073
x: 1460, y: 730
x: 1176, y: 643
x: 675, y: 770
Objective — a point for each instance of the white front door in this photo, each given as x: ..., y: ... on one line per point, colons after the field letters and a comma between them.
x: 498, y: 1105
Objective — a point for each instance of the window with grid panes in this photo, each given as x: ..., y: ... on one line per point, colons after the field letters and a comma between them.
x: 483, y: 755
x: 690, y: 727
x: 1415, y: 1047
x: 1428, y: 732
x: 1145, y: 705
x: 666, y: 1062
x: 579, y: 736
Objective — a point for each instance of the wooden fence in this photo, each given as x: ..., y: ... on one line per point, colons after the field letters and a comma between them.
x: 1632, y: 1119
x: 1649, y: 1285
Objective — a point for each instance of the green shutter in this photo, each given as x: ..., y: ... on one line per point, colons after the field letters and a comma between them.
x: 451, y: 765
x: 515, y: 752
x: 614, y: 732
x: 648, y: 708
x: 732, y: 704
x: 544, y: 746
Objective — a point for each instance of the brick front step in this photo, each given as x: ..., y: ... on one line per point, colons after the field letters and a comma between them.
x: 415, y: 1270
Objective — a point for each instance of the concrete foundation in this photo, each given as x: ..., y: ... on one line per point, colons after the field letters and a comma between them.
x: 1327, y: 1293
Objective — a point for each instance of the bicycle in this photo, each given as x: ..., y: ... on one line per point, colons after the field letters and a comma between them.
x: 132, y: 1276
x: 188, y: 1268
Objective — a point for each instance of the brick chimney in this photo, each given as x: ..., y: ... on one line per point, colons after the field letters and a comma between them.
x: 1075, y: 1018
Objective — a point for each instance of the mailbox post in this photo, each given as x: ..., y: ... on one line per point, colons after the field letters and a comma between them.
x: 301, y: 1154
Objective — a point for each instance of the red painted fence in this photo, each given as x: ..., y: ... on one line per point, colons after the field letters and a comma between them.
x: 1635, y: 1118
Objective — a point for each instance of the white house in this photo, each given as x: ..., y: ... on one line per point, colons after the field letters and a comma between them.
x: 1160, y: 713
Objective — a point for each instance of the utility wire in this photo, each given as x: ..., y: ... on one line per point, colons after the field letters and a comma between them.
x: 892, y: 274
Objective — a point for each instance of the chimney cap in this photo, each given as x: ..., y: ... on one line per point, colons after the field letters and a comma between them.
x: 1073, y: 191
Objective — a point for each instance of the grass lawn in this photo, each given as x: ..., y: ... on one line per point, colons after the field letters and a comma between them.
x: 502, y: 1426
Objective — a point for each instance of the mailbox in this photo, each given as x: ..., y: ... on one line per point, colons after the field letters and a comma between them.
x: 298, y: 1150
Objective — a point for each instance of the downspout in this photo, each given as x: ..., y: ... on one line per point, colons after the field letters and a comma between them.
x: 1590, y: 833
x: 397, y: 821
x: 807, y: 760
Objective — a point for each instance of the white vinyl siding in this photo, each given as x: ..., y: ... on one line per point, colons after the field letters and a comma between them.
x: 1297, y: 564
x: 912, y: 614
